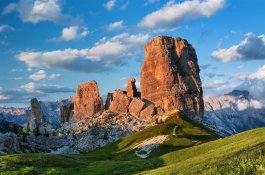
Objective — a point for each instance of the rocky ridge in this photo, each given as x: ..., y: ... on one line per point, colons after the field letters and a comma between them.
x: 170, y: 82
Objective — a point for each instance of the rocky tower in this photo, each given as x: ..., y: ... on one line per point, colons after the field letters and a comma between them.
x: 87, y: 101
x: 66, y: 112
x: 131, y: 88
x: 170, y: 76
x: 37, y: 117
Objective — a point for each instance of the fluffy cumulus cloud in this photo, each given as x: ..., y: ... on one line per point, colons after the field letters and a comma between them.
x: 116, y: 25
x: 252, y: 47
x: 35, y: 11
x: 100, y: 57
x: 255, y: 83
x: 110, y: 4
x: 41, y: 75
x: 245, y: 104
x: 172, y: 14
x: 72, y: 33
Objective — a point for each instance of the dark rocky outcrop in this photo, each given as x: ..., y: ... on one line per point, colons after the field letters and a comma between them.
x: 170, y: 76
x: 108, y: 100
x: 67, y: 112
x: 37, y: 118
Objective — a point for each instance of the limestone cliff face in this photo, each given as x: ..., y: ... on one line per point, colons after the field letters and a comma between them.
x: 170, y: 76
x: 87, y: 101
x: 37, y: 118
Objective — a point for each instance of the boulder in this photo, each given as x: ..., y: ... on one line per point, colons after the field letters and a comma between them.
x: 120, y: 103
x: 136, y: 107
x: 148, y: 112
x: 66, y: 112
x: 87, y: 101
x: 131, y: 88
x: 170, y: 76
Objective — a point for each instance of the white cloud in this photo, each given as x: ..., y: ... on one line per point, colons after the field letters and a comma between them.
x: 110, y: 4
x: 19, y: 78
x: 255, y: 83
x: 245, y: 104
x: 9, y: 8
x: 116, y: 25
x: 215, y: 84
x: 219, y: 87
x: 43, y: 88
x: 30, y: 87
x: 5, y: 27
x: 151, y: 2
x: 95, y: 59
x: 16, y: 70
x: 30, y: 90
x: 124, y: 5
x: 38, y: 75
x: 256, y: 104
x: 259, y: 74
x: 72, y: 33
x: 41, y: 75
x: 35, y: 11
x: 172, y: 14
x: 4, y: 97
x: 252, y: 47
x: 53, y: 76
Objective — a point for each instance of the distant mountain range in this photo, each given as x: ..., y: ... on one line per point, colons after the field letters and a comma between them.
x: 234, y: 112
x: 19, y: 116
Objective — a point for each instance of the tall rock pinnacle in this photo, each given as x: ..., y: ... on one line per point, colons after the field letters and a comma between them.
x: 170, y: 76
x: 87, y: 101
x: 37, y: 118
x: 131, y: 88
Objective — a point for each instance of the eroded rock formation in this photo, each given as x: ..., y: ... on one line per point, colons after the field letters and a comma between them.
x: 87, y: 101
x: 67, y: 112
x: 170, y: 82
x: 108, y: 100
x: 120, y: 103
x: 131, y: 88
x: 37, y: 117
x: 170, y: 76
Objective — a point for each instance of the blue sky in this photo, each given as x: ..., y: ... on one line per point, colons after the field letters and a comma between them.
x: 48, y: 47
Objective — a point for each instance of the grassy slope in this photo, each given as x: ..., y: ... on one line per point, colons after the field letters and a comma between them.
x: 177, y: 155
